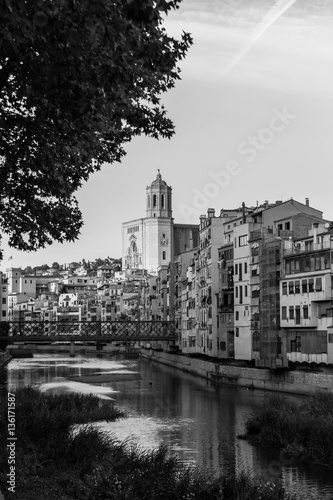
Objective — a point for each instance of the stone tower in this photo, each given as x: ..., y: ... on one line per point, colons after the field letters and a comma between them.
x: 159, y: 201
x: 158, y: 237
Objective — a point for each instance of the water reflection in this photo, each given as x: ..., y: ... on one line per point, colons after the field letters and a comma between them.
x: 199, y: 421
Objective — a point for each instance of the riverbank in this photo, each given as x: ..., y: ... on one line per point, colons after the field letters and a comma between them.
x: 52, y: 461
x: 289, y: 381
x: 302, y: 430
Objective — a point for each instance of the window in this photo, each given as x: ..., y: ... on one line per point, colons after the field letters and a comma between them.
x: 255, y: 250
x: 304, y: 286
x: 317, y: 263
x: 256, y: 341
x: 237, y: 315
x: 154, y: 201
x: 306, y: 264
x: 284, y: 288
x: 223, y: 346
x: 245, y: 291
x: 3, y: 314
x: 163, y: 255
x: 162, y: 201
x: 298, y: 315
x: 288, y: 267
x: 311, y: 285
x: 242, y: 240
x: 237, y: 332
x: 305, y: 312
x: 236, y: 268
x: 318, y: 285
x: 294, y: 266
x: 240, y: 277
x: 241, y: 295
x: 236, y: 292
x: 287, y: 226
x: 245, y: 268
x: 291, y: 312
x: 284, y: 312
x: 295, y: 345
x: 4, y: 300
x: 297, y: 287
x: 291, y: 287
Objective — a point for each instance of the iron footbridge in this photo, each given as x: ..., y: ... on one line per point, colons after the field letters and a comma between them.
x: 102, y: 331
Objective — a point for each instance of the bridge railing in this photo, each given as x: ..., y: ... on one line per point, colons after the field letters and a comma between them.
x: 122, y: 330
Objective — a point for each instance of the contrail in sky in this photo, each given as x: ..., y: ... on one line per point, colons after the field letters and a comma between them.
x: 270, y: 18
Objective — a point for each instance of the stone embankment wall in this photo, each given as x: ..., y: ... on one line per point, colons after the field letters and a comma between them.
x: 5, y: 357
x: 297, y: 382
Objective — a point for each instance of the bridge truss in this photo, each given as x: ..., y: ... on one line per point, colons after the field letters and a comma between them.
x: 107, y: 331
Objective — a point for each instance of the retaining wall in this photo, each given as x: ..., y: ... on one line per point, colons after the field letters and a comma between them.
x: 5, y: 357
x: 297, y: 382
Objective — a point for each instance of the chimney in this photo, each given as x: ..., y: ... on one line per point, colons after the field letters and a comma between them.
x: 211, y: 213
x: 243, y: 213
x: 307, y: 202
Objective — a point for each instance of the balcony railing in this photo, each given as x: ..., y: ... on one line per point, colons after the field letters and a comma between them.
x: 296, y: 249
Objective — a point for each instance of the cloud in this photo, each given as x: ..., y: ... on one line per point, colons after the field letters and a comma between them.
x: 287, y: 52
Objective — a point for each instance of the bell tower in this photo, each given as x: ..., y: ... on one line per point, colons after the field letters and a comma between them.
x: 158, y: 198
x: 158, y: 225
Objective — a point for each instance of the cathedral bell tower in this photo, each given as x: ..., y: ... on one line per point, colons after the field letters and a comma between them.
x: 158, y: 224
x: 159, y: 198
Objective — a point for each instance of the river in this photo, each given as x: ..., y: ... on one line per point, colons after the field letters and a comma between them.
x: 199, y: 421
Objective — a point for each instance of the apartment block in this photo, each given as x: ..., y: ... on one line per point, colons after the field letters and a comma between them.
x: 307, y: 298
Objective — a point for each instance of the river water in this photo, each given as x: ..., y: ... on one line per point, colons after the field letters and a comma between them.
x: 199, y: 421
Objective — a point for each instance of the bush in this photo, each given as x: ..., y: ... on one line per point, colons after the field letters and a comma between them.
x: 306, y: 427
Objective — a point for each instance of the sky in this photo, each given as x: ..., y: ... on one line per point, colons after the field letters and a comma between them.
x: 254, y: 122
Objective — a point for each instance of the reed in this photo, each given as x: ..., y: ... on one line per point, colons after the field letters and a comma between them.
x: 304, y: 429
x: 55, y: 462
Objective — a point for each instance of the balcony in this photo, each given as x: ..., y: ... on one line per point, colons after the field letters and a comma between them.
x: 254, y: 325
x: 255, y: 235
x: 302, y: 323
x: 299, y: 248
x: 325, y: 322
x: 255, y: 280
x: 254, y: 259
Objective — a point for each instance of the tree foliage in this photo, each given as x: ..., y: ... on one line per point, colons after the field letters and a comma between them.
x: 78, y: 80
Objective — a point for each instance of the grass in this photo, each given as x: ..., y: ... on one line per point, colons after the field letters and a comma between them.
x: 54, y: 463
x: 304, y: 430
